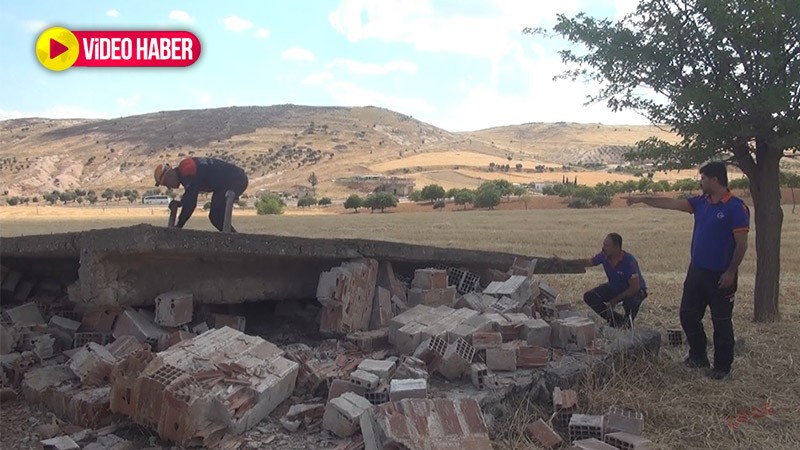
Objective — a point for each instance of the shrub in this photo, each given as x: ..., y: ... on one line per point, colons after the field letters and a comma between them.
x: 271, y: 204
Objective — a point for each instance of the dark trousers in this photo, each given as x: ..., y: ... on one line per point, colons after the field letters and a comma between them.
x: 701, y: 290
x: 598, y: 299
x: 217, y: 213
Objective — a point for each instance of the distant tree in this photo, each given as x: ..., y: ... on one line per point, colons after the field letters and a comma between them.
x: 380, y: 200
x: 118, y: 194
x: 312, y: 179
x: 108, y: 194
x: 270, y: 204
x: 432, y: 192
x: 487, y: 195
x: 324, y: 201
x: 306, y: 201
x: 354, y: 202
x: 451, y: 193
x: 526, y: 198
x: 518, y: 191
x: 415, y: 196
x: 464, y: 197
x: 13, y: 201
x: 439, y: 204
x: 519, y: 167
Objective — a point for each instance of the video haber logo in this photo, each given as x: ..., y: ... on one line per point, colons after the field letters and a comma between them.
x: 59, y: 48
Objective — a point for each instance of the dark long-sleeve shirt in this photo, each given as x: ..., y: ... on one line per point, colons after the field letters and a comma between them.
x: 204, y: 175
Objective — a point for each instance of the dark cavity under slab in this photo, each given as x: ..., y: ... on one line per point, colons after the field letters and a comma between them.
x: 132, y: 265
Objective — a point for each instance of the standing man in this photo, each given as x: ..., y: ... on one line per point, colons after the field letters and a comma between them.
x: 719, y: 242
x: 203, y: 175
x: 625, y: 283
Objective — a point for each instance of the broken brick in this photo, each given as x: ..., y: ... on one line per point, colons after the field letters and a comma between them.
x: 502, y: 358
x: 27, y: 314
x: 528, y: 357
x: 136, y: 324
x: 347, y: 294
x: 540, y: 432
x: 339, y: 387
x: 99, y: 320
x: 429, y: 279
x: 93, y: 363
x: 343, y: 413
x: 174, y: 308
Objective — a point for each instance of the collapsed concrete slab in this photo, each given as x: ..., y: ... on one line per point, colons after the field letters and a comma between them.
x: 133, y: 265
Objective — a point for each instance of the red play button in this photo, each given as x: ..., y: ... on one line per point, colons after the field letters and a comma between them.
x: 56, y: 48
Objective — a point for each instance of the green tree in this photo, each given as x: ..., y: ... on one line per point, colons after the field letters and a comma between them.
x: 270, y: 204
x: 324, y: 201
x: 354, y: 202
x: 726, y: 77
x: 13, y: 201
x: 415, y: 196
x: 464, y: 197
x: 108, y: 194
x: 487, y: 195
x: 306, y: 201
x: 312, y: 180
x: 439, y: 204
x: 451, y: 193
x: 433, y: 192
x: 380, y: 200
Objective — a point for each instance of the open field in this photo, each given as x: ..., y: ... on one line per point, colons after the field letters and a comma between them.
x: 683, y: 409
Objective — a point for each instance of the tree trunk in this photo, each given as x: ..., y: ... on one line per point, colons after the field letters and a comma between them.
x: 793, y: 204
x: 765, y: 189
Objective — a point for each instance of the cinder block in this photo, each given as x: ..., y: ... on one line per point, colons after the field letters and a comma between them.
x: 82, y: 338
x: 339, y: 387
x: 410, y: 367
x: 626, y: 420
x: 540, y: 432
x: 408, y: 338
x: 383, y: 369
x: 136, y: 324
x: 43, y: 346
x: 517, y: 287
x: 343, y: 413
x: 412, y: 388
x: 432, y: 297
x: 486, y: 340
x: 626, y: 441
x: 100, y: 320
x: 528, y: 357
x: 675, y: 337
x: 479, y: 374
x: 431, y: 351
x: 27, y: 314
x: 92, y: 364
x: 504, y: 305
x: 379, y: 395
x: 536, y: 332
x: 381, y: 309
x: 369, y: 341
x: 365, y: 379
x: 585, y: 426
x: 457, y: 360
x: 429, y: 279
x: 60, y: 443
x: 503, y: 358
x: 174, y: 308
x: 591, y: 444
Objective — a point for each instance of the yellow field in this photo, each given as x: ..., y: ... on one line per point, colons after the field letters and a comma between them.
x: 682, y: 408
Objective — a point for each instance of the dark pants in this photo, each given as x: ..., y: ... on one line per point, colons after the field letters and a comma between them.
x: 217, y: 213
x: 701, y: 290
x: 599, y: 297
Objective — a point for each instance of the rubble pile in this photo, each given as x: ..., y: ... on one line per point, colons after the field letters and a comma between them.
x: 392, y: 346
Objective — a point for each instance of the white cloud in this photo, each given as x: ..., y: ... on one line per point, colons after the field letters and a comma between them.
x: 35, y: 25
x: 489, y: 32
x: 361, y: 68
x: 236, y: 24
x: 297, y: 54
x: 181, y: 16
x: 349, y: 94
x: 318, y: 78
x: 129, y: 102
x: 262, y: 33
x: 112, y: 13
x: 55, y: 112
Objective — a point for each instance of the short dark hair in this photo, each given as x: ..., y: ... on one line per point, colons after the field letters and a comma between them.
x: 616, y: 239
x: 716, y: 169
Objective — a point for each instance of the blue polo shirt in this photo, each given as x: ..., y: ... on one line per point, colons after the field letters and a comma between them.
x: 714, y: 226
x: 619, y: 276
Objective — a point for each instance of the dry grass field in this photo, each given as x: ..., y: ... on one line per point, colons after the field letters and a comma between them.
x: 683, y: 409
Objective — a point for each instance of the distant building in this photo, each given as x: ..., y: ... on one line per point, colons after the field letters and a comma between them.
x: 398, y: 186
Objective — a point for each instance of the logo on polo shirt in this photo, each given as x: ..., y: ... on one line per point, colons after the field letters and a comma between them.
x: 720, y: 215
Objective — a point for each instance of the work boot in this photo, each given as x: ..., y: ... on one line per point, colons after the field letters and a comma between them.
x: 718, y: 374
x: 693, y: 363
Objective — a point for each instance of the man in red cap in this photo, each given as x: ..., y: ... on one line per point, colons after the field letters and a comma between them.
x: 203, y: 175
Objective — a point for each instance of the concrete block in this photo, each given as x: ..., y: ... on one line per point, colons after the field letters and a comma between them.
x: 431, y: 351
x: 627, y: 441
x: 342, y: 414
x: 60, y: 443
x: 82, y: 338
x: 99, y: 320
x: 339, y: 387
x: 92, y: 364
x: 432, y: 297
x: 90, y: 408
x: 456, y: 360
x: 626, y: 420
x: 67, y: 326
x: 503, y: 358
x: 379, y: 395
x: 174, y: 308
x: 38, y: 383
x: 27, y: 314
x: 410, y: 388
x: 529, y: 357
x: 479, y: 374
x: 228, y: 320
x: 43, y: 346
x: 8, y: 339
x: 471, y: 300
x: 365, y: 379
x: 408, y: 338
x: 517, y: 287
x: 410, y: 367
x: 123, y: 346
x: 302, y: 411
x: 348, y: 299
x: 426, y: 425
x: 429, y: 279
x: 381, y: 309
x: 542, y: 434
x: 591, y: 444
x: 536, y: 332
x: 585, y: 426
x: 504, y: 305
x: 383, y: 369
x: 486, y: 340
x: 523, y: 266
x: 136, y: 324
x: 675, y: 337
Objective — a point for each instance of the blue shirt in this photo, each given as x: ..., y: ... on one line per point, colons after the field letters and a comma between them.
x: 714, y: 226
x: 619, y: 275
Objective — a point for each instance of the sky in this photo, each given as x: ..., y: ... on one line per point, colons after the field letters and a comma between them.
x: 459, y: 65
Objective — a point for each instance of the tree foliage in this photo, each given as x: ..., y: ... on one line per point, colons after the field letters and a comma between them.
x: 270, y: 204
x: 380, y: 200
x: 354, y: 202
x: 724, y: 75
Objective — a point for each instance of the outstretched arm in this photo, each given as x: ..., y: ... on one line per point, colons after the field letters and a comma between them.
x: 663, y: 203
x: 189, y: 202
x: 582, y: 262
